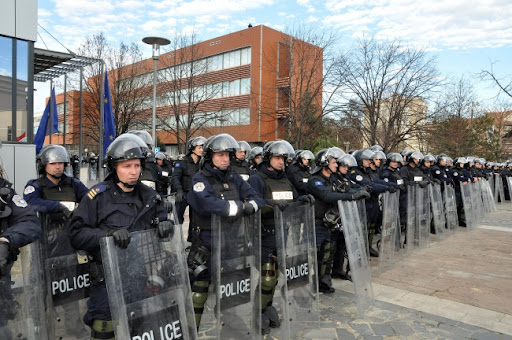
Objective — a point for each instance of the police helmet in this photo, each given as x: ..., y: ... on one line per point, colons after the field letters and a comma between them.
x: 123, y: 148
x: 366, y: 154
x: 462, y: 160
x: 347, y: 160
x: 395, y: 157
x: 255, y: 152
x: 429, y: 158
x: 471, y: 159
x: 160, y: 155
x: 51, y: 154
x: 145, y: 136
x: 414, y: 155
x: 338, y: 153
x: 278, y: 148
x: 323, y: 158
x: 193, y: 142
x: 376, y: 148
x: 244, y: 146
x: 305, y: 154
x: 219, y: 143
x: 379, y: 155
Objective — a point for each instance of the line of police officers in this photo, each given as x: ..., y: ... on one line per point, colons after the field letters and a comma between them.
x: 218, y: 176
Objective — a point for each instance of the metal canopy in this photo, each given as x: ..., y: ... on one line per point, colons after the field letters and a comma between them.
x: 52, y: 64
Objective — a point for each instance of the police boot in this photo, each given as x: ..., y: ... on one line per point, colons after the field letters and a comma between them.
x: 273, y: 317
x: 373, y: 252
x: 102, y: 330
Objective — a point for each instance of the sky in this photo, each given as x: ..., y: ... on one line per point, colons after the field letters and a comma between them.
x: 466, y: 36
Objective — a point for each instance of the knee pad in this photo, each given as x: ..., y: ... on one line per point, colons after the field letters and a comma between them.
x: 199, y: 297
x: 102, y: 329
x: 197, y: 258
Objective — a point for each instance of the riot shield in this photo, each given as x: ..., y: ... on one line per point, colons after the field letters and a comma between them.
x: 412, y: 227
x: 436, y: 203
x: 361, y: 208
x: 22, y: 312
x: 66, y: 280
x: 236, y: 265
x: 423, y: 216
x: 499, y: 192
x: 297, y: 290
x: 476, y: 202
x: 357, y: 256
x: 487, y: 197
x: 148, y: 287
x: 509, y: 182
x: 465, y: 190
x: 452, y: 220
x: 389, y: 245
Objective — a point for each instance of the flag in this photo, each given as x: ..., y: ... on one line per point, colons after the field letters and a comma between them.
x: 44, y: 128
x: 109, y: 129
x: 22, y: 138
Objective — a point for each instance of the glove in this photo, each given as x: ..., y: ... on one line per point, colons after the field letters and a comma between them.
x: 307, y: 199
x: 121, y: 236
x: 168, y: 206
x: 368, y: 189
x: 361, y: 194
x: 68, y: 213
x: 165, y: 229
x: 423, y: 184
x: 180, y: 196
x: 248, y: 209
x: 4, y: 257
x: 437, y: 180
x: 391, y: 189
x: 402, y: 187
x: 281, y: 204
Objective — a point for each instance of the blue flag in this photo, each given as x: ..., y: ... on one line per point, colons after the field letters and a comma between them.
x: 44, y: 128
x: 109, y: 129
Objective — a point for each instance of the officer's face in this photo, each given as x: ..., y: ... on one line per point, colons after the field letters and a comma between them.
x: 305, y: 161
x: 257, y: 159
x: 366, y: 163
x: 55, y: 169
x: 277, y: 162
x: 343, y: 169
x: 220, y: 160
x: 394, y: 165
x: 160, y: 162
x: 129, y: 171
x: 198, y: 150
x: 333, y: 166
x: 240, y: 155
x: 376, y: 161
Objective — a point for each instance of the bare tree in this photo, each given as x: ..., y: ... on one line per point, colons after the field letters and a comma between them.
x: 388, y: 84
x: 190, y: 99
x: 126, y: 86
x: 303, y: 61
x: 504, y: 83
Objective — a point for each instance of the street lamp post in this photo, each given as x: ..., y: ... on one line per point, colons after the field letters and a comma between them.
x: 156, y: 42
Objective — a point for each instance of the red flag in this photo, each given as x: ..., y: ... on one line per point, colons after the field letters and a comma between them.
x: 23, y: 135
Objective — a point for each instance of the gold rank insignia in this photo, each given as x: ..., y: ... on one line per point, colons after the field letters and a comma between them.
x: 93, y: 192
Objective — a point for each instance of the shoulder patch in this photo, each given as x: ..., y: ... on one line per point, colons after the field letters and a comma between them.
x: 359, y: 178
x: 318, y: 183
x: 96, y: 190
x: 455, y: 173
x: 177, y: 165
x: 199, y: 187
x: 386, y: 179
x: 29, y: 189
x: 19, y: 201
x: 158, y: 197
x: 438, y: 172
x: 353, y: 172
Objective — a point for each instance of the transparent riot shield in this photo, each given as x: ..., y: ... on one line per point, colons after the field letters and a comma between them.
x: 22, y: 310
x: 93, y: 173
x: 389, y: 245
x: 66, y: 279
x: 436, y: 202
x: 465, y: 191
x: 499, y: 192
x: 236, y: 265
x: 357, y: 256
x: 509, y: 182
x: 450, y: 205
x: 487, y: 197
x: 148, y: 287
x: 296, y: 296
x: 423, y: 216
x: 412, y: 238
x: 361, y: 208
x: 476, y: 202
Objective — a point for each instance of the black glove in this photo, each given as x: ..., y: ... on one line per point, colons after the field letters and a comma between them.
x: 368, y: 189
x: 361, y: 194
x: 180, y: 196
x: 165, y: 228
x: 248, y: 209
x: 68, y: 213
x: 168, y: 205
x: 4, y: 257
x: 121, y: 236
x: 391, y: 189
x: 281, y: 204
x: 307, y: 199
x: 423, y: 184
x: 402, y: 187
x: 437, y: 180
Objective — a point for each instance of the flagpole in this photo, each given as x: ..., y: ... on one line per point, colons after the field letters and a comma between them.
x: 102, y: 105
x: 51, y: 111
x: 80, y: 142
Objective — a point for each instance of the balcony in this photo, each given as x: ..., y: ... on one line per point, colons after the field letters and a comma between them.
x: 283, y: 82
x: 282, y: 112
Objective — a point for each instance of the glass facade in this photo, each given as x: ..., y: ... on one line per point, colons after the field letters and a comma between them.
x: 14, y: 95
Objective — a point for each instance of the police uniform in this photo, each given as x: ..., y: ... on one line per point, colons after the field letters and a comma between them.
x: 221, y: 193
x: 298, y: 175
x: 181, y: 181
x: 19, y: 226
x: 107, y: 207
x: 242, y: 168
x: 459, y: 175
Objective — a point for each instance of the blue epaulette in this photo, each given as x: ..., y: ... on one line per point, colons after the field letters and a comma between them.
x: 95, y: 190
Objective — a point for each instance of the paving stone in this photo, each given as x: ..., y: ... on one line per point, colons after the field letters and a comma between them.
x: 506, y: 337
x: 455, y: 330
x: 382, y: 329
x: 361, y: 328
x: 468, y: 326
x: 344, y: 334
x: 372, y: 337
x: 485, y: 335
x: 401, y: 328
x: 439, y: 318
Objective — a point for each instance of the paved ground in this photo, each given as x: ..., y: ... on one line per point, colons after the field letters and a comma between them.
x: 459, y: 288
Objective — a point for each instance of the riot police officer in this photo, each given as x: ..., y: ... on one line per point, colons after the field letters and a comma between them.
x: 119, y: 205
x: 152, y: 173
x: 215, y: 189
x: 460, y: 176
x: 299, y: 171
x: 322, y: 185
x: 166, y: 173
x: 239, y: 163
x: 255, y: 157
x: 184, y: 170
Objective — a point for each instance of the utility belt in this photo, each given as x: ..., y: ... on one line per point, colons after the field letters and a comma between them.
x: 267, y: 230
x: 95, y: 268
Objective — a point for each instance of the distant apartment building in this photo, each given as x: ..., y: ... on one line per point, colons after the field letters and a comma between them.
x: 239, y: 83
